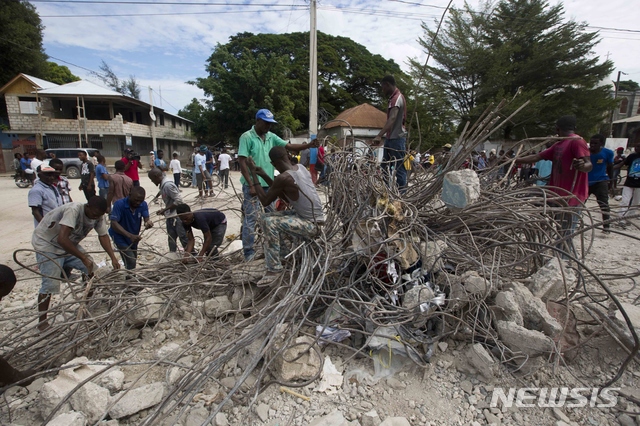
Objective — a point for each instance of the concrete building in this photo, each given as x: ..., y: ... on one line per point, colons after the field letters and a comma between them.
x: 626, y: 117
x: 84, y: 114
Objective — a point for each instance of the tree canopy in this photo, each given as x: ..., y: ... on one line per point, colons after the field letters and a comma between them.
x: 254, y: 71
x: 628, y: 86
x: 60, y: 74
x: 523, y: 47
x: 21, y: 48
x: 129, y: 87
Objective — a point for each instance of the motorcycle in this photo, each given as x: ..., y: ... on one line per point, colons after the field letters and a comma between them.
x: 22, y: 182
x: 186, y: 178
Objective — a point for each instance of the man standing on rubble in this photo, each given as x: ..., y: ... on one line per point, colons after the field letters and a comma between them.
x: 256, y: 144
x: 394, y: 132
x: 171, y: 198
x: 293, y: 185
x: 56, y: 241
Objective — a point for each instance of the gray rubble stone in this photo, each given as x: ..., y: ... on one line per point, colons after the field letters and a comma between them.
x: 370, y: 418
x: 262, y: 410
x: 396, y: 384
x: 52, y: 393
x: 221, y: 420
x: 149, y: 309
x: 633, y: 312
x: 72, y: 418
x: 475, y: 284
x: 81, y: 371
x: 113, y: 380
x: 460, y: 188
x: 334, y: 419
x: 416, y: 296
x: 92, y: 400
x: 304, y: 367
x: 197, y: 416
x: 548, y: 281
x: 625, y: 420
x: 518, y: 338
x: 491, y: 418
x: 534, y: 311
x: 395, y: 421
x: 431, y: 254
x: 560, y: 415
x: 168, y: 350
x: 217, y: 307
x: 506, y: 302
x: 137, y: 399
x: 477, y: 361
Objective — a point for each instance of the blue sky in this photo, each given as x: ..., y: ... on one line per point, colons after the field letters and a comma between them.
x: 171, y: 47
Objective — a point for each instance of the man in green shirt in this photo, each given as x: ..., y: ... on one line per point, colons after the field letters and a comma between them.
x: 256, y: 144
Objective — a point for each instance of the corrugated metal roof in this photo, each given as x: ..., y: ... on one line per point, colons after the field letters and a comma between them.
x: 80, y: 88
x: 361, y: 116
x: 628, y: 120
x: 44, y: 84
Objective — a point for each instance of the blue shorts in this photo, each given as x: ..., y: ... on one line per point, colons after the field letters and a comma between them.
x: 51, y: 267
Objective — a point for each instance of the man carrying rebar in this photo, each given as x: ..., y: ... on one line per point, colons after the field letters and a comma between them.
x: 256, y: 144
x: 56, y: 241
x: 295, y: 186
x: 171, y: 198
x: 569, y: 174
x: 394, y: 132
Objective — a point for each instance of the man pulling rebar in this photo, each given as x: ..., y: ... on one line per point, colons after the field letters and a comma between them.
x: 293, y: 185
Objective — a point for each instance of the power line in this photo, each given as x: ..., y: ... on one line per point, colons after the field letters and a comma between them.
x: 162, y: 3
x: 171, y: 13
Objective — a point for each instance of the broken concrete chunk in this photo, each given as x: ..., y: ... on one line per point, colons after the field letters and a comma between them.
x: 148, y: 311
x: 509, y: 308
x: 52, y: 393
x: 92, y: 400
x: 395, y: 421
x: 248, y: 272
x: 549, y: 281
x: 416, y: 296
x: 431, y: 253
x: 262, y: 411
x: 137, y: 399
x: 534, y: 312
x: 305, y: 367
x: 168, y: 350
x: 334, y: 419
x: 476, y: 360
x: 113, y: 380
x: 633, y: 312
x: 460, y: 188
x: 217, y: 307
x: 370, y: 418
x: 81, y: 369
x: 475, y: 284
x: 243, y: 296
x: 72, y: 418
x: 518, y: 338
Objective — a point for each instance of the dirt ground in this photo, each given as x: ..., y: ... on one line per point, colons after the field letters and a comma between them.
x: 441, y: 394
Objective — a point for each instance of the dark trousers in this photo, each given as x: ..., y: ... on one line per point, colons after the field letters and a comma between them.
x: 9, y: 375
x: 136, y: 183
x: 129, y: 256
x: 89, y: 192
x: 176, y: 179
x: 601, y: 191
x: 217, y: 237
x: 224, y: 176
x: 176, y: 232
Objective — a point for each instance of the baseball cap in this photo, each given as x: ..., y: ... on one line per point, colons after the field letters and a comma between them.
x: 46, y: 169
x: 265, y: 115
x: 620, y: 148
x: 447, y: 145
x: 203, y: 148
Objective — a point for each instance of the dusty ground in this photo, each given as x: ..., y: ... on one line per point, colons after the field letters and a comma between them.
x: 438, y: 395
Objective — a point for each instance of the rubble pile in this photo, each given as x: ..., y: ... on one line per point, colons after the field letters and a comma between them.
x: 393, y: 276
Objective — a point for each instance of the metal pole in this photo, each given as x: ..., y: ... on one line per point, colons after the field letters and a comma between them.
x: 79, y: 129
x: 615, y: 95
x: 153, y: 122
x: 313, y: 72
x: 84, y: 120
x: 39, y: 139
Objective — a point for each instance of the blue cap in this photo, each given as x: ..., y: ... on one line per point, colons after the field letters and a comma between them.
x: 313, y: 137
x: 265, y: 115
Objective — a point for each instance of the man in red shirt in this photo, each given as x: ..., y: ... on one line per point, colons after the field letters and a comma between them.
x: 571, y: 162
x: 131, y: 166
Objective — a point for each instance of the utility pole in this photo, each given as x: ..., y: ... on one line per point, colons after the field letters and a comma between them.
x: 313, y: 72
x: 153, y: 122
x: 615, y: 95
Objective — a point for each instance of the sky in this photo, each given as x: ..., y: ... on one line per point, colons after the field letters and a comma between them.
x: 166, y: 43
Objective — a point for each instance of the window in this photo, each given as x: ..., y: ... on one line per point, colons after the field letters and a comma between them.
x: 624, y: 105
x: 173, y: 123
x: 28, y: 105
x: 186, y: 126
x: 161, y: 117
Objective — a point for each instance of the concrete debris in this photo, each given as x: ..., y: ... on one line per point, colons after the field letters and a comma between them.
x: 197, y: 416
x: 395, y: 421
x: 168, y: 350
x: 331, y: 378
x: 334, y: 419
x: 81, y: 371
x: 72, y: 418
x: 52, y: 393
x: 443, y: 346
x: 112, y: 380
x: 518, y: 338
x: 262, y: 410
x: 244, y: 295
x: 431, y: 254
x: 136, y: 400
x: 148, y: 311
x: 248, y: 272
x: 370, y: 418
x: 92, y: 400
x: 549, y: 281
x: 626, y: 420
x: 221, y: 420
x: 304, y: 367
x: 217, y: 307
x: 491, y: 418
x: 367, y: 238
x: 416, y: 296
x: 475, y: 284
x: 505, y: 301
x: 396, y: 384
x: 633, y: 312
x: 476, y: 360
x: 534, y: 312
x: 460, y: 188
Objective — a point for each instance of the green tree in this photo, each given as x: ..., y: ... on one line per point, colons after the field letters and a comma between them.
x: 129, y: 87
x: 523, y: 47
x: 272, y: 71
x: 21, y: 48
x: 197, y: 112
x: 60, y: 74
x: 628, y: 86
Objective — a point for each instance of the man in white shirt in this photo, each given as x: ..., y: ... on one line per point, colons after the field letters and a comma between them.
x: 200, y: 168
x: 223, y: 166
x: 176, y: 168
x: 37, y: 161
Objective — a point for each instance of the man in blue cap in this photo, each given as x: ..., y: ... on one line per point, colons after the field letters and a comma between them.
x: 256, y: 144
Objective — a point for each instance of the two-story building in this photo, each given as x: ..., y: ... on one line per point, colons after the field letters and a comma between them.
x: 626, y: 116
x: 84, y: 114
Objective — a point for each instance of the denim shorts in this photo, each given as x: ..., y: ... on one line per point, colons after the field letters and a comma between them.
x: 51, y: 266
